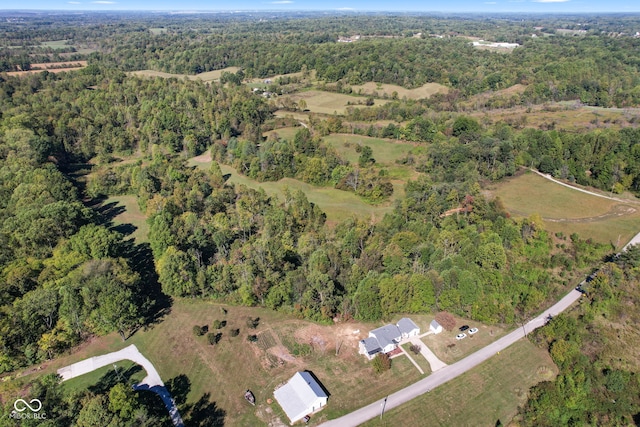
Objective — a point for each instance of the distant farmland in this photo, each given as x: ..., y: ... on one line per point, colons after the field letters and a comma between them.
x: 209, y: 76
x: 424, y: 91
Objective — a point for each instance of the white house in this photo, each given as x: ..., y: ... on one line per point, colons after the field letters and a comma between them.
x: 408, y: 328
x: 435, y: 327
x: 301, y: 396
x: 387, y: 337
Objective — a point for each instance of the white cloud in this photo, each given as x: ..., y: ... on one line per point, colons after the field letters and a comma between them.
x: 346, y: 8
x: 550, y: 1
x: 103, y: 2
x: 282, y: 2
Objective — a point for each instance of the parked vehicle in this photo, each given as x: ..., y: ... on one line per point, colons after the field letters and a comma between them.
x: 473, y: 331
x: 463, y: 328
x: 461, y: 336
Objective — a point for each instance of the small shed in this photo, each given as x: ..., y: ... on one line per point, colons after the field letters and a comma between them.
x: 300, y: 396
x: 435, y: 327
x: 408, y: 328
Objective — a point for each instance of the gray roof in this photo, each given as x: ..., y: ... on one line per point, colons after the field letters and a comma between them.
x: 434, y: 324
x: 371, y: 345
x: 406, y: 325
x: 387, y: 334
x: 298, y: 394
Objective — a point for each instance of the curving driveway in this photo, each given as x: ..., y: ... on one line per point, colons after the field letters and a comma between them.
x: 152, y: 382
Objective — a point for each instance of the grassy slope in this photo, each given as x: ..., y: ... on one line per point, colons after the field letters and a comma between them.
x: 529, y: 194
x: 492, y: 391
x: 424, y: 91
x: 337, y: 204
x: 205, y: 77
x: 330, y: 102
x: 130, y: 216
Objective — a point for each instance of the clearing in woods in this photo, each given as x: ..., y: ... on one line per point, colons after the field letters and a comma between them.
x: 569, y: 211
x: 338, y: 205
x: 209, y: 76
x: 381, y: 89
x: 330, y: 102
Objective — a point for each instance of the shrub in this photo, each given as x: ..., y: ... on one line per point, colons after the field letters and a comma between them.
x: 253, y: 323
x: 415, y: 348
x: 301, y: 349
x: 219, y: 324
x: 234, y: 332
x: 381, y: 363
x: 252, y: 338
x: 214, y: 338
x: 200, y: 330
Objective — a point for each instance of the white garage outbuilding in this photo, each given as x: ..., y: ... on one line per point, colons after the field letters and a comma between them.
x: 301, y: 396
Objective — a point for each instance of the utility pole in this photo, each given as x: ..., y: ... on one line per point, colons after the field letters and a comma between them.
x: 383, y: 405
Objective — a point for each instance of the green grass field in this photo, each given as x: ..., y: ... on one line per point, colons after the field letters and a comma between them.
x: 490, y: 392
x: 337, y: 204
x: 205, y: 77
x: 330, y: 102
x: 130, y: 216
x: 418, y: 358
x: 569, y: 211
x: 124, y: 370
x: 424, y: 91
x: 385, y: 151
x: 284, y: 133
x: 56, y: 44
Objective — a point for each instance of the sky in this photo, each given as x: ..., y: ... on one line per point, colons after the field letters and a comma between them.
x: 460, y: 6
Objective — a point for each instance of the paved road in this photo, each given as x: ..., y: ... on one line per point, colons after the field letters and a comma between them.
x: 152, y: 382
x: 449, y: 372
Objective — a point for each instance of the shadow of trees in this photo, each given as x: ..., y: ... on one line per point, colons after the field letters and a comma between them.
x: 113, y: 377
x: 202, y: 413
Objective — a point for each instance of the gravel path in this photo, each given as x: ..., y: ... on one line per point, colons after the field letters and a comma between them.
x: 152, y: 382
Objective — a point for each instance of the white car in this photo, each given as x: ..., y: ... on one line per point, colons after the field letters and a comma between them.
x: 473, y: 331
x: 461, y: 336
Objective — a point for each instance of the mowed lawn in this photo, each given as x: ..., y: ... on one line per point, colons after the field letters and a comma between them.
x: 222, y: 372
x: 129, y: 220
x: 205, y: 77
x: 490, y: 392
x: 338, y: 205
x: 569, y: 211
x: 421, y: 92
x: 330, y: 102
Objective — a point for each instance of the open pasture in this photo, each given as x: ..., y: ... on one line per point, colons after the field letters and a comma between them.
x: 338, y: 205
x: 569, y: 211
x: 381, y: 89
x: 385, y: 151
x: 209, y: 76
x: 330, y: 102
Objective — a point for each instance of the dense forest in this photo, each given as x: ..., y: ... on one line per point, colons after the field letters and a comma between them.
x: 69, y: 140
